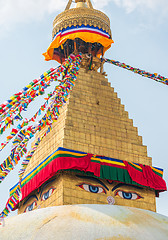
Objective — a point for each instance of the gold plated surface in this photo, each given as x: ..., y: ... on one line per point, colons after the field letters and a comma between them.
x: 79, y: 16
x: 93, y: 121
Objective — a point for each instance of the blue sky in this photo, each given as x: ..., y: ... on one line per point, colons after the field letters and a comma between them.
x: 140, y: 32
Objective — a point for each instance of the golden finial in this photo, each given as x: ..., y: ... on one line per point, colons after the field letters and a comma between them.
x: 80, y: 3
x: 79, y: 29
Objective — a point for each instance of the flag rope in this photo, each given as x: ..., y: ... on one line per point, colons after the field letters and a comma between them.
x: 51, y: 116
x: 154, y: 76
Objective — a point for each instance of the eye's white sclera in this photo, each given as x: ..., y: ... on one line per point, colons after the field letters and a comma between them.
x: 134, y: 196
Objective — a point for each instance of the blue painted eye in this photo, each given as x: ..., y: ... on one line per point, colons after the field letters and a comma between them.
x: 93, y: 189
x: 128, y: 195
x: 31, y: 207
x: 47, y: 194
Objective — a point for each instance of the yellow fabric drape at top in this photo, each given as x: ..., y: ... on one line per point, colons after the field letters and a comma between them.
x: 85, y: 35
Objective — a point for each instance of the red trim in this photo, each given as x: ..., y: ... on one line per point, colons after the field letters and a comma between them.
x: 60, y: 163
x: 84, y: 31
x: 147, y: 177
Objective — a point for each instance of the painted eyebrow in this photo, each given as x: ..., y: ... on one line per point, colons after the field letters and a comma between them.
x: 125, y: 184
x: 33, y: 196
x: 94, y: 179
x: 45, y: 185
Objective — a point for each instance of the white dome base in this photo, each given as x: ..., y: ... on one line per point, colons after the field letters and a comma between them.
x: 86, y: 222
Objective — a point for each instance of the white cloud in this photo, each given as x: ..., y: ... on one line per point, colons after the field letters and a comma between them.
x: 143, y: 5
x: 159, y: 6
x: 14, y: 11
x: 99, y: 4
x: 151, y: 13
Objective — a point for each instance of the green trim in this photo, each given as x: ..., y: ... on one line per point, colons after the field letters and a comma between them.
x: 117, y: 174
x: 132, y: 165
x: 128, y: 180
x: 159, y: 174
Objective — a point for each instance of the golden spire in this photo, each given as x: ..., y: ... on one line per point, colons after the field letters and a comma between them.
x: 79, y: 29
x: 80, y: 3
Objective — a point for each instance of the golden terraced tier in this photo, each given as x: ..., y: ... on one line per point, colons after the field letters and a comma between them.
x: 93, y: 121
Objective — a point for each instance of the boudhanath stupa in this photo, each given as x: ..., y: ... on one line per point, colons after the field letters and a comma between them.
x: 90, y: 176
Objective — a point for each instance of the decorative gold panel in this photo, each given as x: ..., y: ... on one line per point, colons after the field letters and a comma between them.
x: 94, y: 121
x: 79, y: 16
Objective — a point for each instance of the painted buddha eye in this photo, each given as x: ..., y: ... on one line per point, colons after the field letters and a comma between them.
x: 92, y: 188
x: 31, y: 206
x: 128, y: 195
x: 47, y: 194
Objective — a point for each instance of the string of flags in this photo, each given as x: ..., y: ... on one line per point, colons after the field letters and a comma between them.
x: 23, y: 136
x: 55, y: 74
x: 58, y: 98
x: 70, y: 83
x: 19, y: 144
x: 154, y: 76
x: 11, y: 109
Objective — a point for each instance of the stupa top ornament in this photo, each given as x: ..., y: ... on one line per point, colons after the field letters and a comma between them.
x: 83, y: 13
x: 81, y: 29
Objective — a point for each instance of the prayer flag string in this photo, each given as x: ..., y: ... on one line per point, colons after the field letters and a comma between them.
x: 60, y: 95
x: 154, y: 76
x: 11, y: 109
x: 59, y: 98
x: 25, y: 122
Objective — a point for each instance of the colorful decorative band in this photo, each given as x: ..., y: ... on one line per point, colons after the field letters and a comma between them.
x: 99, y: 166
x: 82, y: 28
x: 86, y: 33
x: 121, y: 164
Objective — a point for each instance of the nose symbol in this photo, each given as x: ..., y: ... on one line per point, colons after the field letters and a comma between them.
x: 110, y: 200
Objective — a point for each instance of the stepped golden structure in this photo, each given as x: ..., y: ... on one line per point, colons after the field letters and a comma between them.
x: 90, y: 177
x: 92, y: 121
